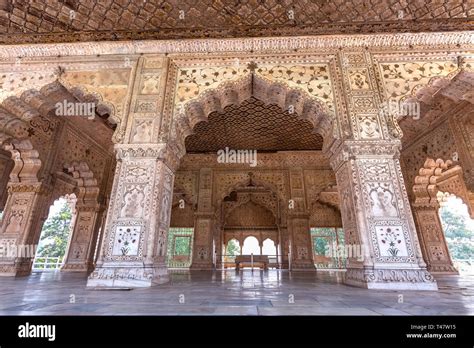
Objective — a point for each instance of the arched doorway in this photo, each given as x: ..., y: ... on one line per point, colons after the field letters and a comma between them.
x: 251, y: 246
x: 55, y: 235
x: 55, y: 151
x: 251, y: 224
x: 435, y: 177
x: 458, y: 228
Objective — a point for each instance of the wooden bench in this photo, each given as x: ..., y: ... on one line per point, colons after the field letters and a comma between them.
x: 246, y: 261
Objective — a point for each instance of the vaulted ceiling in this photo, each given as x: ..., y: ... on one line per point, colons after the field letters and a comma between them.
x: 28, y: 21
x: 253, y: 125
x: 437, y: 103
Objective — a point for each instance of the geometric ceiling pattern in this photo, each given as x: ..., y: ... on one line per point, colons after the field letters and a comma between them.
x: 94, y: 20
x: 253, y: 125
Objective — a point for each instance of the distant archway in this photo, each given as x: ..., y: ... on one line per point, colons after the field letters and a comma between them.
x: 251, y: 246
x: 458, y: 228
x: 269, y: 247
x: 436, y: 176
x: 227, y: 93
x: 55, y: 235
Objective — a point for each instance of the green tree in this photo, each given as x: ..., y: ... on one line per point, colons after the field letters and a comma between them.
x: 454, y: 224
x: 182, y: 245
x: 55, y: 233
x: 233, y: 248
x: 458, y: 234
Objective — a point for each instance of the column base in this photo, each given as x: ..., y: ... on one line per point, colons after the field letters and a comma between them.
x: 76, y: 267
x: 15, y: 268
x: 391, y: 279
x: 303, y: 265
x: 284, y: 265
x: 443, y: 269
x: 201, y: 266
x: 113, y: 277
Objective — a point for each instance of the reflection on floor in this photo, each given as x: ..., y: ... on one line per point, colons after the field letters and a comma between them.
x: 230, y: 293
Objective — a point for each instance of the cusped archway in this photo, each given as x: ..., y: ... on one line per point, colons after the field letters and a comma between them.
x: 28, y: 121
x: 295, y: 100
x: 436, y: 176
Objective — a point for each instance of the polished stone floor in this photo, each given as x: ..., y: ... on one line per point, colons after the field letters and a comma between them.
x: 230, y: 293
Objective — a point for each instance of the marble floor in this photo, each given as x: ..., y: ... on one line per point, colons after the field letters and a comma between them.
x: 229, y: 293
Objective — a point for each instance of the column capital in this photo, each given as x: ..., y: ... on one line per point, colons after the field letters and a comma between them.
x: 36, y: 187
x: 159, y: 151
x: 298, y: 215
x: 354, y: 149
x: 94, y: 207
x: 205, y: 214
x: 426, y: 203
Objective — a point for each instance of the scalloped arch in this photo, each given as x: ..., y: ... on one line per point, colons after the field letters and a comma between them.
x: 16, y: 113
x: 87, y: 189
x: 246, y: 201
x: 235, y: 92
x: 439, y: 175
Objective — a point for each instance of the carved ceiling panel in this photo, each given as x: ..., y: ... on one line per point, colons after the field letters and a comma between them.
x: 95, y: 20
x: 438, y: 103
x: 250, y: 215
x: 253, y: 125
x: 402, y: 78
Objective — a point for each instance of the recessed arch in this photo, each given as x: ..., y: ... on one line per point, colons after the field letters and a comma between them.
x: 251, y: 245
x: 18, y: 112
x: 436, y: 176
x: 440, y: 96
x: 85, y: 184
x: 235, y: 92
x: 439, y: 175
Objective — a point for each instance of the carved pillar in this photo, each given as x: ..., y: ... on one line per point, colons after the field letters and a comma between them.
x: 285, y: 248
x: 25, y: 210
x: 377, y: 220
x: 432, y: 239
x: 219, y: 244
x: 380, y: 234
x: 6, y: 165
x: 204, y: 224
x: 471, y: 204
x: 298, y: 224
x: 462, y: 127
x: 436, y: 176
x: 133, y: 252
x: 80, y: 254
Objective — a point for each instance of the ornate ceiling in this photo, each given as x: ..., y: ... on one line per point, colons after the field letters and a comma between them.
x: 437, y: 103
x: 254, y: 126
x: 41, y: 21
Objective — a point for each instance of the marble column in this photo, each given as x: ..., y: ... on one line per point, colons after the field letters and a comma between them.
x: 432, y: 239
x: 6, y: 165
x: 25, y: 210
x: 285, y: 249
x: 80, y: 254
x: 205, y: 224
x: 134, y: 247
x: 377, y: 219
x: 301, y: 255
x: 298, y: 224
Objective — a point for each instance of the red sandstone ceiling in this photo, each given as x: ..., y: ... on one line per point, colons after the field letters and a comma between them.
x: 253, y: 126
x: 37, y: 21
